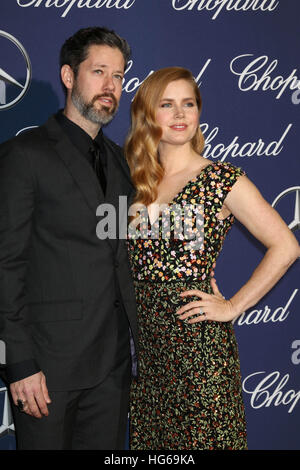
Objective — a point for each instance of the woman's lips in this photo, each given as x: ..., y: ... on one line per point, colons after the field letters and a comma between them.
x: 179, y: 127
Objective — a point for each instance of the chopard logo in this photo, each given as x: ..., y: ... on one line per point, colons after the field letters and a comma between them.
x: 267, y: 315
x: 69, y: 4
x: 236, y: 148
x: 17, y: 90
x: 131, y: 84
x: 257, y: 74
x: 217, y: 6
x: 269, y: 390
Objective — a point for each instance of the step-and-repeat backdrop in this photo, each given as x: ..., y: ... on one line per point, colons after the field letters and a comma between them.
x: 244, y: 55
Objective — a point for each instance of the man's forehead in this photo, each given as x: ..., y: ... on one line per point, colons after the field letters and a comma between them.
x: 105, y: 55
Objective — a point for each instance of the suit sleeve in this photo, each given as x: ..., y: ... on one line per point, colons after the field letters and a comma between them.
x: 17, y: 198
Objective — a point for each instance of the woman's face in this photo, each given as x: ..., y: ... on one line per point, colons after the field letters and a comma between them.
x: 177, y: 113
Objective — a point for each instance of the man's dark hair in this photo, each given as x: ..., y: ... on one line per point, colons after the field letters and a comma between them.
x: 75, y: 49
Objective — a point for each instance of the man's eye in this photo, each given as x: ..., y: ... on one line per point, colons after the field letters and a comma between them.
x: 98, y: 71
x: 118, y: 77
x: 190, y: 104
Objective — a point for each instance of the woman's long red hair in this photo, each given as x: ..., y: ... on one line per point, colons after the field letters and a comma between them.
x: 141, y: 146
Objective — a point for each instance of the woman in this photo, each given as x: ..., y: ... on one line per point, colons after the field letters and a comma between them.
x: 188, y: 394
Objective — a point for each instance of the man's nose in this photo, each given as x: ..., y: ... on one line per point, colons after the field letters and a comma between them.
x: 109, y: 83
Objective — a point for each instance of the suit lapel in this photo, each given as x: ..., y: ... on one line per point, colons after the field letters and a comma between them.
x: 79, y: 168
x: 118, y: 179
x: 118, y: 187
x: 119, y: 183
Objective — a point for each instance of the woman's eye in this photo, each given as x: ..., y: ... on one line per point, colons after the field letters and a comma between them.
x: 190, y: 104
x: 98, y: 71
x: 166, y: 105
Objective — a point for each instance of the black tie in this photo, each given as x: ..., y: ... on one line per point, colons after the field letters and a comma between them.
x: 97, y: 164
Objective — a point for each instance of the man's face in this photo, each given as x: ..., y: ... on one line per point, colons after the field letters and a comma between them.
x: 98, y: 86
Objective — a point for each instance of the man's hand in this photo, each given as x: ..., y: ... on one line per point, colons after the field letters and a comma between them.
x: 33, y: 392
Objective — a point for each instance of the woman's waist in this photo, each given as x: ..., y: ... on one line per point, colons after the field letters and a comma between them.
x: 203, y: 284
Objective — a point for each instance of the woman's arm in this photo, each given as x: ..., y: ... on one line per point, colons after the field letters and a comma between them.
x: 248, y: 206
x: 246, y: 203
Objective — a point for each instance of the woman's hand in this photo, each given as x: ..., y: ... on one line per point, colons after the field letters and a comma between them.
x: 209, y: 306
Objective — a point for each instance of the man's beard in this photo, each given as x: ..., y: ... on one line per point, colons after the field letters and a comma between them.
x: 99, y: 116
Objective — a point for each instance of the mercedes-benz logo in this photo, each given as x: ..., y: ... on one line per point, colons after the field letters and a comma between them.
x: 6, y: 78
x: 7, y: 426
x: 295, y: 223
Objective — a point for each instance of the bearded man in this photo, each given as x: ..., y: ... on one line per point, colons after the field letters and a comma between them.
x: 67, y: 303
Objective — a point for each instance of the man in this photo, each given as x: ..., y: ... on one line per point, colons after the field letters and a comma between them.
x: 66, y: 297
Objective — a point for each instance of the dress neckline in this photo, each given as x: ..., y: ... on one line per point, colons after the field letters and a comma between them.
x: 193, y: 180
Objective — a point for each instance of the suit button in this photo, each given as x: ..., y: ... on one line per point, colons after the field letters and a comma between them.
x: 117, y: 303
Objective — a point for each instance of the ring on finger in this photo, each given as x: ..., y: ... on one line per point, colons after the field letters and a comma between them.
x: 21, y: 404
x: 201, y: 311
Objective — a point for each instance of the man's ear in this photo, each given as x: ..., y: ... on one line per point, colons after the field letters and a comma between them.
x: 67, y: 76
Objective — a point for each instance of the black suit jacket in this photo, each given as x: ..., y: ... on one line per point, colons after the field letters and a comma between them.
x: 66, y: 297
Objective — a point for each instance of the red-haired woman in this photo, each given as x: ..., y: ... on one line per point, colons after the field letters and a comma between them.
x: 188, y: 394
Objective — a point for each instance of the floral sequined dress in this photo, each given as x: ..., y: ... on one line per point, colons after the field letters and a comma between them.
x: 188, y: 393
